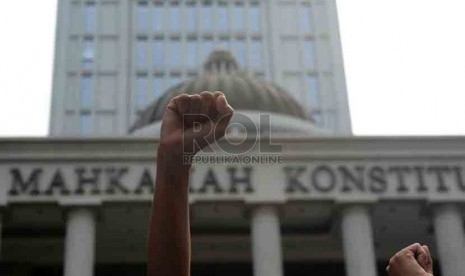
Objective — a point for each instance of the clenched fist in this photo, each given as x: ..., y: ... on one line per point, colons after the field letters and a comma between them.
x: 414, y: 260
x: 191, y: 122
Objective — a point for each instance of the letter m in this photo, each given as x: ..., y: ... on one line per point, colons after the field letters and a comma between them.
x: 21, y: 186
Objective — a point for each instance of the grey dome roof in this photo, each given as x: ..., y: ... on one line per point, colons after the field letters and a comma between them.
x: 244, y: 92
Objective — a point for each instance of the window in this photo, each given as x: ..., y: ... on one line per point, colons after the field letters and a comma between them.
x: 309, y: 55
x: 157, y: 86
x: 223, y: 18
x: 238, y: 18
x: 175, y: 54
x: 157, y: 18
x: 141, y: 91
x: 142, y: 16
x: 174, y: 80
x: 256, y: 55
x: 207, y: 17
x: 85, y: 124
x: 86, y: 92
x: 90, y: 17
x: 88, y: 53
x: 207, y: 49
x: 313, y: 91
x: 175, y: 17
x: 141, y: 53
x: 191, y: 18
x: 158, y: 54
x: 191, y: 59
x: 224, y: 44
x: 255, y: 18
x: 306, y: 19
x: 238, y: 49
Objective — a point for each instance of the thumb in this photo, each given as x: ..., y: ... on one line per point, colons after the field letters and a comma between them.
x: 428, y: 263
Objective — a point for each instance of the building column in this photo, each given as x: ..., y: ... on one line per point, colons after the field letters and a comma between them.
x: 80, y: 242
x: 1, y: 228
x: 266, y: 242
x: 450, y: 243
x: 357, y: 235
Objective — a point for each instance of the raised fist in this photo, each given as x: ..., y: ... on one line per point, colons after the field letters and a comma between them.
x: 414, y: 260
x: 191, y: 122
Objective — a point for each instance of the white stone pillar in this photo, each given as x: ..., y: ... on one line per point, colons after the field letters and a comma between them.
x: 1, y: 228
x: 450, y: 243
x: 266, y: 242
x: 357, y: 235
x: 80, y: 242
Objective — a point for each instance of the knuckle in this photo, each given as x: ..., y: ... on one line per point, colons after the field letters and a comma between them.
x: 392, y: 261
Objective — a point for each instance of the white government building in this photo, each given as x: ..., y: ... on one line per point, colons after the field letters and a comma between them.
x: 304, y: 198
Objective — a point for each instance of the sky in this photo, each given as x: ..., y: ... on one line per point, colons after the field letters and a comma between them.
x: 404, y: 62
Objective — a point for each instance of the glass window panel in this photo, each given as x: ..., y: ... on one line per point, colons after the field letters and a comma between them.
x: 256, y: 55
x: 207, y: 46
x: 191, y: 18
x: 224, y: 44
x: 158, y: 88
x: 88, y: 53
x: 175, y: 52
x: 142, y: 16
x: 255, y: 18
x: 157, y: 18
x: 238, y: 49
x: 86, y: 92
x: 175, y: 18
x: 306, y: 19
x: 174, y: 80
x: 223, y: 18
x: 141, y: 53
x: 238, y: 18
x: 158, y: 54
x: 313, y: 91
x: 191, y: 58
x: 141, y: 92
x: 90, y: 14
x: 207, y: 17
x: 85, y: 124
x: 309, y: 55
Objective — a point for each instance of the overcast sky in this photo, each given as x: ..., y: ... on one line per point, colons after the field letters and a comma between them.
x: 404, y: 62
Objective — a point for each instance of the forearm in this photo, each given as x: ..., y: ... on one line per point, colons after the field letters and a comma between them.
x: 169, y: 237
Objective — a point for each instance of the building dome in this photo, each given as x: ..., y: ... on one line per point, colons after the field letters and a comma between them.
x: 246, y: 94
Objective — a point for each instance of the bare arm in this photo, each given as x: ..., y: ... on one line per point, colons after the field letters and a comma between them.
x: 169, y: 236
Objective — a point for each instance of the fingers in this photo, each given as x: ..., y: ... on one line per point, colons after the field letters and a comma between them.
x: 429, y: 266
x: 224, y: 113
x: 421, y: 255
x: 413, y: 258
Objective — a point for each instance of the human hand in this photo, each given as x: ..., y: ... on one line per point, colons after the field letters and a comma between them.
x: 191, y: 122
x: 414, y: 260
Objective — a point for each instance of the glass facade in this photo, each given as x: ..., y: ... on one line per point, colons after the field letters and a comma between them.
x: 309, y: 55
x: 88, y: 53
x: 173, y: 39
x: 86, y: 92
x: 306, y: 19
x: 182, y: 34
x: 141, y: 91
x: 90, y: 17
x: 141, y: 53
x: 157, y: 18
x: 85, y: 123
